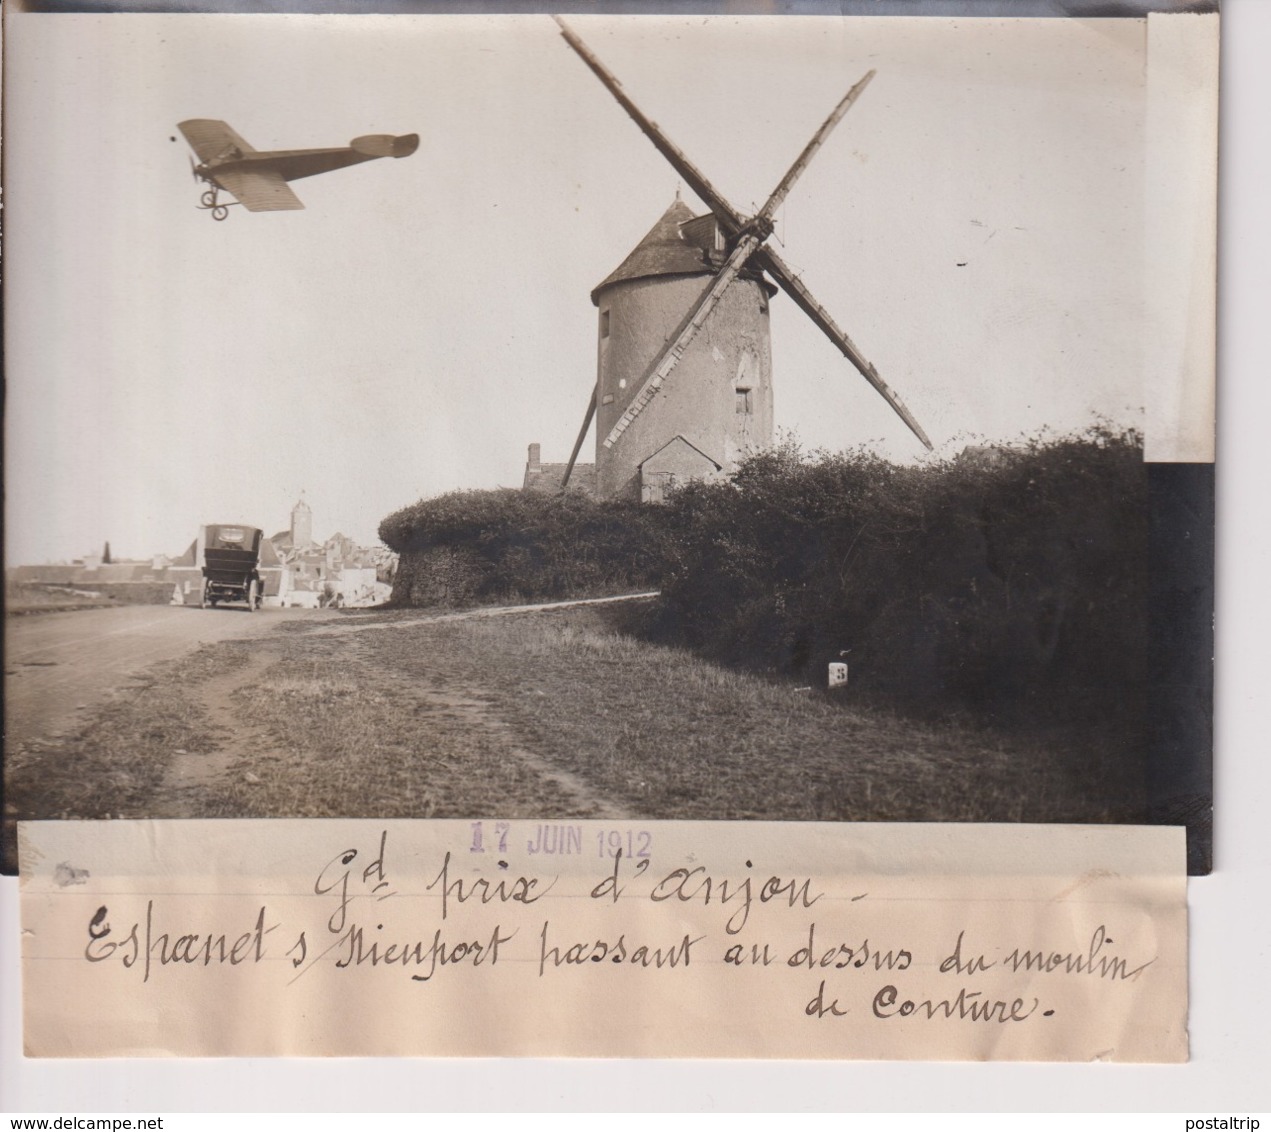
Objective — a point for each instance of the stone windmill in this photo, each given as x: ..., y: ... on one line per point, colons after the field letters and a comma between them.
x: 684, y: 374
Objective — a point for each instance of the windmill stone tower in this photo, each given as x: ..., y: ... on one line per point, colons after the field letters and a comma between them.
x: 720, y: 404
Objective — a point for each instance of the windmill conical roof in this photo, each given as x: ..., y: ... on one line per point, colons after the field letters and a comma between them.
x: 663, y: 251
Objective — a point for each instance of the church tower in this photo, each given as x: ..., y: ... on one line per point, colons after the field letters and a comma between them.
x: 717, y: 404
x: 301, y: 525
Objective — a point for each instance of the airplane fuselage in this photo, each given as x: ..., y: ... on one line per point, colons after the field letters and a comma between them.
x: 257, y: 178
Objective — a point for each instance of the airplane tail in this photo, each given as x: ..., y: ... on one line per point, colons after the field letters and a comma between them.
x: 385, y: 145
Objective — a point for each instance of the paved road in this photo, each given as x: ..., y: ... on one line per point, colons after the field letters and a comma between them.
x: 57, y: 664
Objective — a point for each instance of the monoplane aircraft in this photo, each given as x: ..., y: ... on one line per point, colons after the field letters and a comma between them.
x: 258, y: 178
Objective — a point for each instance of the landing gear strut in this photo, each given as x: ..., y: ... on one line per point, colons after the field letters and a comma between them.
x: 209, y: 202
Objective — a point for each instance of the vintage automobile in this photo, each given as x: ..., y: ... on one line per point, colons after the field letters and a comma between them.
x: 231, y: 560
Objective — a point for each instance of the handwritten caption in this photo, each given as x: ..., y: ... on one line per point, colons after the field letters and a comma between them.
x: 834, y: 948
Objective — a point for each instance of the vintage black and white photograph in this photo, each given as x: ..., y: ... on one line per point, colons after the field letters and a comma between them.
x: 661, y: 417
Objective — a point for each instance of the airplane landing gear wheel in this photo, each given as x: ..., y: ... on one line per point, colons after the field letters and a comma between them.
x: 208, y: 199
x: 220, y: 212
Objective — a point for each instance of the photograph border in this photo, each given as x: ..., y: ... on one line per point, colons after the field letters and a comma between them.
x: 1241, y: 854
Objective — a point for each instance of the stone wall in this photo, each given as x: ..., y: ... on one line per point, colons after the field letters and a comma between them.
x: 128, y: 593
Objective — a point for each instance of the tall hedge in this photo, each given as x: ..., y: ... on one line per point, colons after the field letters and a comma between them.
x: 1012, y: 583
x: 482, y: 546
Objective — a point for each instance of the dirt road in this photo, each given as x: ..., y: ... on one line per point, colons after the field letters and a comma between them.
x: 58, y: 665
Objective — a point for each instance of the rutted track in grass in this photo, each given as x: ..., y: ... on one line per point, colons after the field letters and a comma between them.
x: 350, y: 737
x: 192, y: 775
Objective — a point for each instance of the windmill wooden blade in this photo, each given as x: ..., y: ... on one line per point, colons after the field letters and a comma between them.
x: 582, y: 435
x: 729, y: 217
x: 793, y: 286
x: 692, y: 322
x: 751, y: 234
x: 795, y: 171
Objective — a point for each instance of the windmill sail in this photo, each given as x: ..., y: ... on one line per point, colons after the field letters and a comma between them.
x: 582, y: 435
x: 793, y: 286
x: 749, y: 247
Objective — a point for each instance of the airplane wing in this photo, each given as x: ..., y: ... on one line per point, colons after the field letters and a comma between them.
x: 211, y: 139
x: 262, y: 190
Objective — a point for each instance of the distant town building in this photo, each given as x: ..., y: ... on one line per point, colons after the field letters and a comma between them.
x: 335, y: 572
x: 301, y: 525
x: 294, y: 570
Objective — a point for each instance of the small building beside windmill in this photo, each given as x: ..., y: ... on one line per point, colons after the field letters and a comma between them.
x: 546, y: 479
x: 714, y: 407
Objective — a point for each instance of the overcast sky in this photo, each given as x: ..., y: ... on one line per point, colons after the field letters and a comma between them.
x: 975, y: 224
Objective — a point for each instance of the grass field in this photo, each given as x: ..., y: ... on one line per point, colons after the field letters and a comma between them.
x: 36, y: 598
x: 673, y: 736
x: 544, y: 715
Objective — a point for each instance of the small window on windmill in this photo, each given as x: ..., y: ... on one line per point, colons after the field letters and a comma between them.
x: 604, y: 324
x: 744, y: 404
x: 704, y: 232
